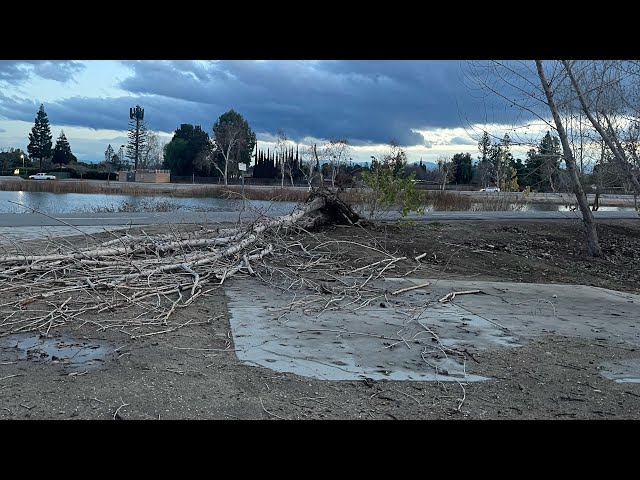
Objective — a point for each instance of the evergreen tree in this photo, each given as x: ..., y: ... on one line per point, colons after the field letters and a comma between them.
x: 543, y: 163
x: 40, y: 140
x: 188, y: 152
x: 463, y: 168
x: 109, y: 153
x: 62, y: 151
x: 112, y: 158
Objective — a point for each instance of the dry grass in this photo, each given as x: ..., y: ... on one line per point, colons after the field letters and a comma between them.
x: 501, y: 203
x: 80, y: 186
x: 446, y: 201
x: 431, y: 199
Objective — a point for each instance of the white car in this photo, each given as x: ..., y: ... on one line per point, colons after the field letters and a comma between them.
x: 42, y: 176
x: 492, y: 189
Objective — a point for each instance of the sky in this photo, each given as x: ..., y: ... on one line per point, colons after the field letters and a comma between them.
x: 425, y: 105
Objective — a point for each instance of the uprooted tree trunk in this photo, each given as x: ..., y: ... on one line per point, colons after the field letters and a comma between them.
x: 324, y: 207
x: 142, y: 273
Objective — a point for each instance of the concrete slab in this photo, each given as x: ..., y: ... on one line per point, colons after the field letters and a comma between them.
x: 536, y: 309
x: 623, y: 371
x: 408, y: 340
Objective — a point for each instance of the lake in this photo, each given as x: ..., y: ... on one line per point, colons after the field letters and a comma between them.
x: 51, y: 203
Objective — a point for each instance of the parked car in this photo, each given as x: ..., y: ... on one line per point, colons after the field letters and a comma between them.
x: 492, y: 189
x: 42, y: 176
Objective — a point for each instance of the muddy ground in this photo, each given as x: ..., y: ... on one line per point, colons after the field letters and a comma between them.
x: 193, y: 373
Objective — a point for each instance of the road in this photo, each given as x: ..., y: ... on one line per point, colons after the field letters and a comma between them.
x: 114, y: 219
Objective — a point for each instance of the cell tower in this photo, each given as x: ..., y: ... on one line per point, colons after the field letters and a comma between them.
x: 137, y: 113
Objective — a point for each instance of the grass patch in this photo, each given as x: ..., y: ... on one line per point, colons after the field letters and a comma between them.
x: 145, y: 205
x: 446, y: 201
x: 500, y: 203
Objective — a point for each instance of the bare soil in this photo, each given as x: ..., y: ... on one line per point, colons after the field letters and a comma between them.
x: 191, y: 374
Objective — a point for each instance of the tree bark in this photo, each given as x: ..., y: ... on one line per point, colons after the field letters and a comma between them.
x: 593, y: 246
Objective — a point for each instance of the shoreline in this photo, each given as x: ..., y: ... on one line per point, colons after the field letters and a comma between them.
x: 275, y: 192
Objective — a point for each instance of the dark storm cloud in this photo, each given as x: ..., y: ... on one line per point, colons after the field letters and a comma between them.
x: 17, y: 71
x: 161, y: 114
x: 365, y: 101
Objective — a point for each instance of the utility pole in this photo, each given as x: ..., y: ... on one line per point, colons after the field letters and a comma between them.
x: 136, y: 113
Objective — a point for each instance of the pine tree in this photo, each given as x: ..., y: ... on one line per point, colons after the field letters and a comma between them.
x: 40, y: 140
x: 108, y: 154
x: 62, y: 151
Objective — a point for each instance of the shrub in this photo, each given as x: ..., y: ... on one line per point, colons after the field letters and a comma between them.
x: 384, y: 190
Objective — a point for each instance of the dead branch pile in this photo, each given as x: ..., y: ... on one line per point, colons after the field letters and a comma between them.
x: 135, y: 283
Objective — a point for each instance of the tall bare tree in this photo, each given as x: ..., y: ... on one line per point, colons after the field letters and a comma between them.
x: 603, y: 99
x: 282, y: 147
x: 233, y: 140
x: 310, y: 165
x: 539, y: 90
x: 336, y: 152
x: 151, y: 155
x: 445, y: 172
x: 593, y: 244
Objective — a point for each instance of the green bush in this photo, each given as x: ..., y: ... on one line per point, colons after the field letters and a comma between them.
x: 384, y: 190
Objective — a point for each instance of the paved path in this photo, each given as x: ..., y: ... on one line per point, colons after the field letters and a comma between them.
x: 105, y: 219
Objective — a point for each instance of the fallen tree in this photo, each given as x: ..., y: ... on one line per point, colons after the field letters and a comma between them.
x: 140, y: 280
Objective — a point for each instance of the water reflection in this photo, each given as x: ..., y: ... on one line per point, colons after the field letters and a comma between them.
x: 47, y: 202
x: 50, y: 203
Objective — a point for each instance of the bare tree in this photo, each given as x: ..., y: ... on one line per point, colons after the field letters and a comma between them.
x: 336, y: 153
x: 309, y: 165
x: 234, y: 140
x: 224, y: 144
x: 282, y: 147
x: 485, y: 166
x: 445, y: 172
x: 587, y: 217
x: 151, y: 156
x: 603, y: 101
x: 537, y: 93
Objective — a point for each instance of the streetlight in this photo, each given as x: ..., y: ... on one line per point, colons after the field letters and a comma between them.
x: 22, y: 158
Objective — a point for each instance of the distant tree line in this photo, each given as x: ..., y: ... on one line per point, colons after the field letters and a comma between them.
x: 192, y: 151
x: 496, y: 166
